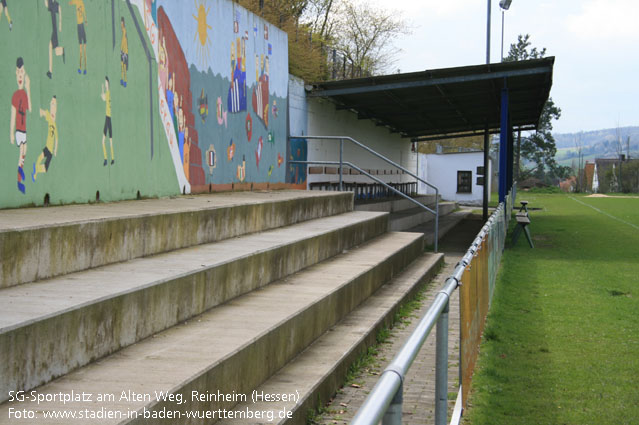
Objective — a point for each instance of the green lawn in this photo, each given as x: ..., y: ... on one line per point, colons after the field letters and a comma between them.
x: 561, y: 345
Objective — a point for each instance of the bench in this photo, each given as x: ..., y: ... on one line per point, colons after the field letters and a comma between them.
x: 362, y: 190
x: 523, y: 221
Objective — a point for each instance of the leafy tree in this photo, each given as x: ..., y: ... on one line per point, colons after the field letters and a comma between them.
x: 359, y: 32
x: 307, y: 55
x: 539, y: 148
x: 364, y: 36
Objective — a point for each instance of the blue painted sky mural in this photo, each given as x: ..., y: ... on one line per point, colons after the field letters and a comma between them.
x: 228, y: 103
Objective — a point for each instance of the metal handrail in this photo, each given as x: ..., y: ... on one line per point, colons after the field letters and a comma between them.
x: 382, y: 157
x: 366, y: 173
x: 384, y: 402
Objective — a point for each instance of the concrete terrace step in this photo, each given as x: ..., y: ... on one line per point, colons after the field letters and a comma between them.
x: 234, y: 347
x: 394, y: 205
x: 38, y: 243
x: 446, y: 223
x: 315, y: 375
x: 49, y: 328
x: 407, y: 219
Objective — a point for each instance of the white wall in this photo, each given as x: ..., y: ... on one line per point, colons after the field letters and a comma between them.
x: 325, y: 120
x: 297, y: 106
x: 441, y: 170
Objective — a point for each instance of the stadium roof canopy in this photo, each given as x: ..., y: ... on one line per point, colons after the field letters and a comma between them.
x: 448, y: 102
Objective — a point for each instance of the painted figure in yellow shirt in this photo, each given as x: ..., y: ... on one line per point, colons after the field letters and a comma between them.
x: 124, y: 54
x: 51, y: 147
x: 5, y: 9
x: 81, y: 18
x: 106, y: 97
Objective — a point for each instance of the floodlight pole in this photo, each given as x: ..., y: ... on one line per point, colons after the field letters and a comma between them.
x: 486, y: 133
x: 504, y: 5
x: 488, y: 35
x: 502, y: 35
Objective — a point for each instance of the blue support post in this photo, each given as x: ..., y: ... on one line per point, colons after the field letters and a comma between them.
x: 503, y: 146
x: 511, y: 157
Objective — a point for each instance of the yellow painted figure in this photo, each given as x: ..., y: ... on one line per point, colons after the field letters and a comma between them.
x: 5, y: 9
x: 81, y: 18
x: 51, y: 147
x: 124, y: 54
x: 54, y: 8
x: 106, y: 97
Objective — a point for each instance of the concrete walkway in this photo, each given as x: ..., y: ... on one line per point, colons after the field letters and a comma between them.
x: 419, y: 386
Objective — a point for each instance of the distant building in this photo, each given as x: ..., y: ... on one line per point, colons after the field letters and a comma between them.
x: 457, y: 175
x: 603, y: 175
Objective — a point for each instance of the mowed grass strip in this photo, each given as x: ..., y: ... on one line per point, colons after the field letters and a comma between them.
x: 561, y: 345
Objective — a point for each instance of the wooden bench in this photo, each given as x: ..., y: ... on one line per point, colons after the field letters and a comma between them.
x: 523, y: 221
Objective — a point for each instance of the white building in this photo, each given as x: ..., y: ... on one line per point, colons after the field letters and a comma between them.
x: 455, y: 174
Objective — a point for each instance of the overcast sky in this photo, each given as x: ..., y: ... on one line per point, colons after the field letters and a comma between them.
x: 595, y: 43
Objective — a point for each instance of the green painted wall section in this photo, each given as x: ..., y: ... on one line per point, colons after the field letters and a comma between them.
x: 148, y: 159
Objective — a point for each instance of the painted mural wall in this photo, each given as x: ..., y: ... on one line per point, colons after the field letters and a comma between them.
x: 117, y: 99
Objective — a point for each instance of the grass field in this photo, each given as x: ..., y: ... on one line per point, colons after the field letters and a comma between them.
x: 561, y: 345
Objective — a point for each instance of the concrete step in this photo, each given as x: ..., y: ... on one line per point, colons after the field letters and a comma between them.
x: 49, y: 328
x: 393, y: 205
x: 315, y: 375
x: 446, y: 223
x: 230, y: 349
x: 407, y: 219
x: 39, y: 243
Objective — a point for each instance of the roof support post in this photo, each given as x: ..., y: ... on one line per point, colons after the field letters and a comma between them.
x: 511, y: 156
x: 503, y: 146
x: 486, y: 174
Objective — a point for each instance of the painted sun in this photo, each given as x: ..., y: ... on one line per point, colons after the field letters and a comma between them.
x: 201, y: 33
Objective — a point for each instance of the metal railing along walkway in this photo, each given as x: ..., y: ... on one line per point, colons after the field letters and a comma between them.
x: 384, y: 402
x: 341, y: 163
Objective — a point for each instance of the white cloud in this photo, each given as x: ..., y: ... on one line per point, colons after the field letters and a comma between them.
x: 606, y: 20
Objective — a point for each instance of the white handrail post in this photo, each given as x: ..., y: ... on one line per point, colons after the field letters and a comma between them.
x: 441, y: 368
x: 341, y: 159
x: 393, y: 415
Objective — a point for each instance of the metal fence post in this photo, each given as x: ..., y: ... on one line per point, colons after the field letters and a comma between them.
x: 341, y: 158
x: 393, y: 415
x: 441, y: 368
x: 436, y: 219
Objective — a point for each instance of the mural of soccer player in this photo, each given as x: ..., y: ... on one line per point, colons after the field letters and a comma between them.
x: 181, y: 133
x: 261, y: 89
x: 177, y: 102
x: 53, y: 6
x: 81, y: 18
x: 164, y: 64
x: 51, y: 146
x: 170, y: 95
x: 236, y: 101
x: 106, y: 97
x: 124, y: 54
x: 20, y: 105
x: 186, y: 161
x: 5, y: 9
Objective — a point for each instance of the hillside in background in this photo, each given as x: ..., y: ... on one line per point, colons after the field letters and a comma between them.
x: 596, y: 144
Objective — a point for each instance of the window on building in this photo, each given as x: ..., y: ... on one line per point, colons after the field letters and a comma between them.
x: 464, y: 181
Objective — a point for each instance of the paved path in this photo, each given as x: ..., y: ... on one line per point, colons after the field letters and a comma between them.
x: 419, y: 386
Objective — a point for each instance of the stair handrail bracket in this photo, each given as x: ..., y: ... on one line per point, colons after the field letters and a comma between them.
x: 341, y: 164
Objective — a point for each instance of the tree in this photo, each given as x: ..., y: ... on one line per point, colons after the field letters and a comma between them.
x: 539, y: 148
x: 320, y: 16
x: 358, y: 32
x: 307, y: 56
x: 364, y: 36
